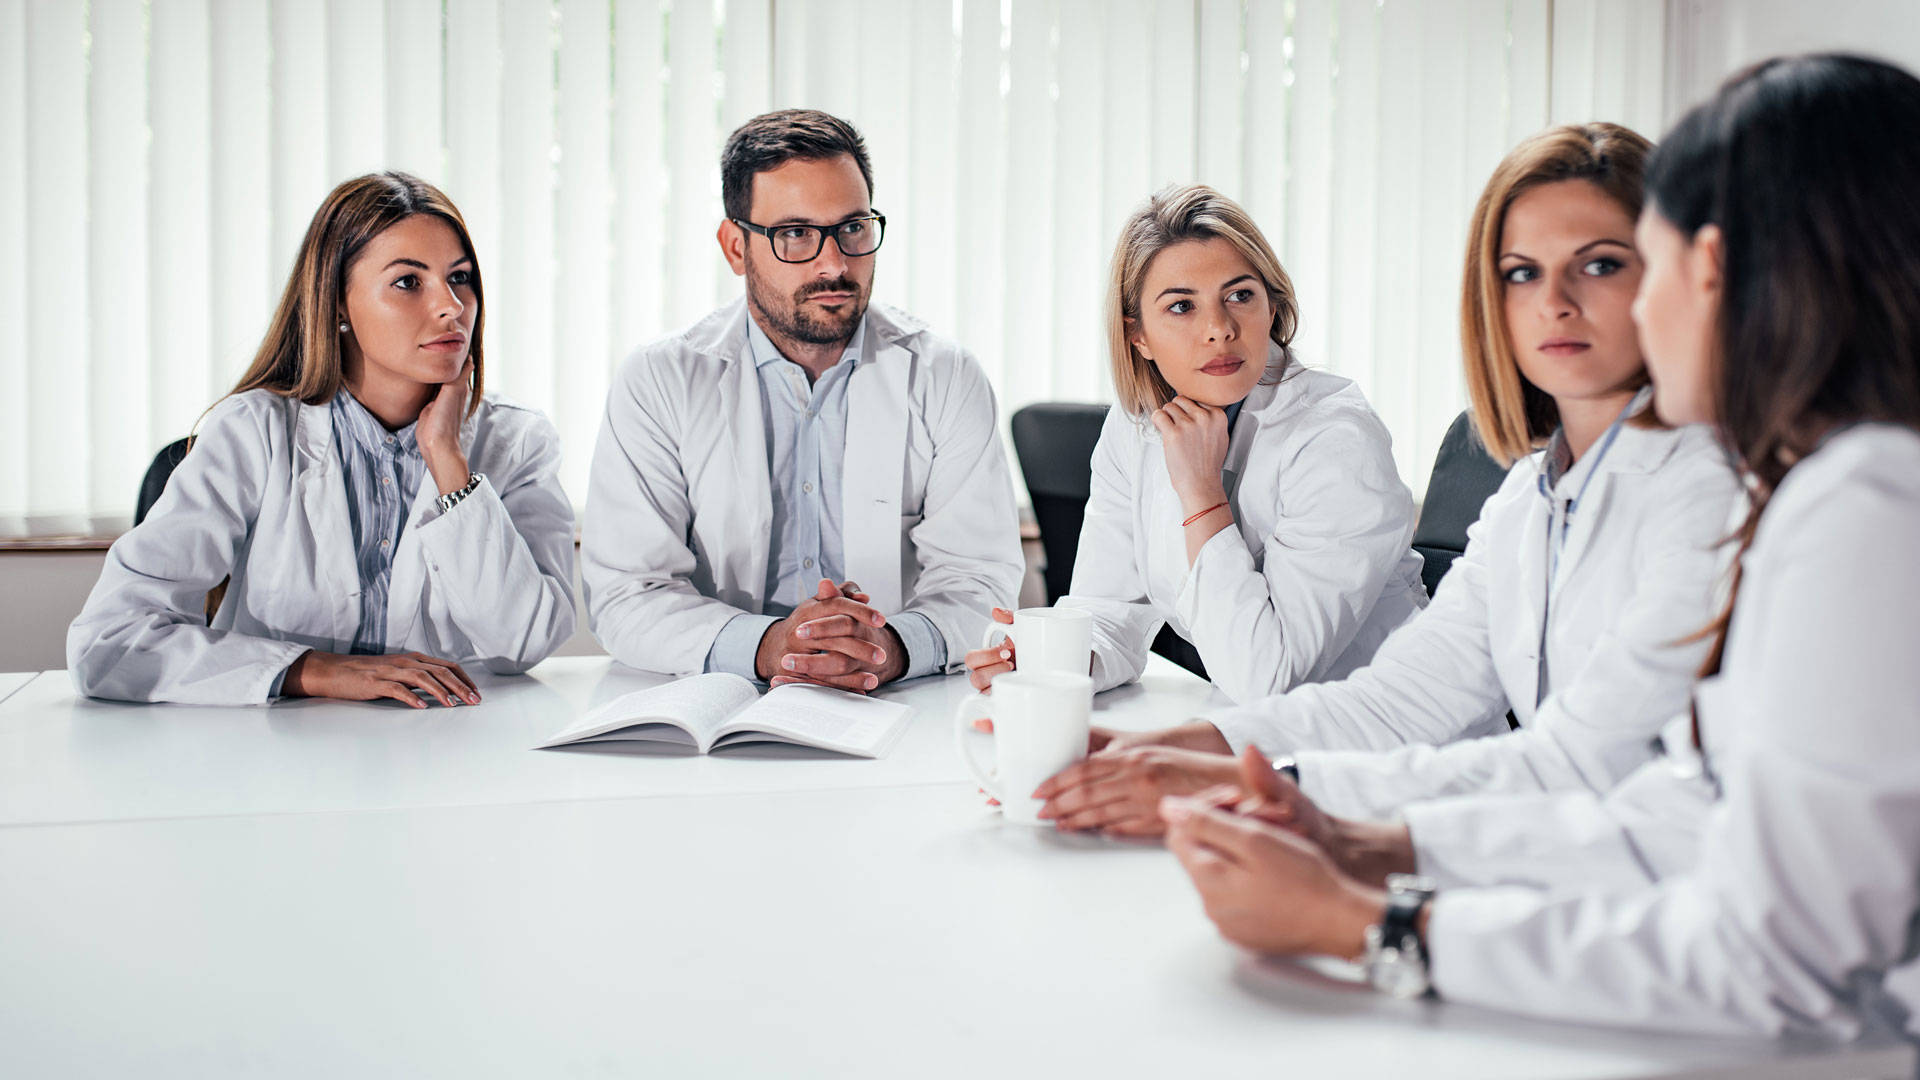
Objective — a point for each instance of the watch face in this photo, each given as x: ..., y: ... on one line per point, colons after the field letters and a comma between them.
x: 1397, y: 973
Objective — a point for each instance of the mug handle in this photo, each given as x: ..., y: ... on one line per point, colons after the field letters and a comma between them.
x: 974, y: 707
x: 994, y: 627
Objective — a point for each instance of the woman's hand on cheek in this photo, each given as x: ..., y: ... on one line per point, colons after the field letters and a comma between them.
x: 1194, y: 440
x: 438, y: 432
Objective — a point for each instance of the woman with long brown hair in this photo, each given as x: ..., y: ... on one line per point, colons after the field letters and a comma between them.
x: 1779, y: 304
x: 357, y: 517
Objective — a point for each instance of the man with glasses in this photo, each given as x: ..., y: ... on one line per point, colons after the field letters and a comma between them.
x: 800, y: 486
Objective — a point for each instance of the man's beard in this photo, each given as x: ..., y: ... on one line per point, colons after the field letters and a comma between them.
x: 794, y: 320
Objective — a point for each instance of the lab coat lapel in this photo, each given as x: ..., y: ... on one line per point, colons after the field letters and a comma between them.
x: 323, y: 502
x: 875, y: 471
x: 749, y: 513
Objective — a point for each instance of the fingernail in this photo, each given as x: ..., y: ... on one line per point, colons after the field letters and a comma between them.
x: 787, y: 663
x: 872, y: 682
x: 1006, y: 654
x: 473, y: 699
x: 879, y: 657
x: 1175, y: 809
x: 804, y: 632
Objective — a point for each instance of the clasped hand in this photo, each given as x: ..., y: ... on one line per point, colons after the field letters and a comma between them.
x: 834, y: 639
x: 1193, y: 437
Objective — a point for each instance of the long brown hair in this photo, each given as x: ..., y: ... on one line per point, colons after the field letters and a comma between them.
x: 1513, y: 416
x: 1170, y: 216
x: 1807, y: 165
x: 302, y: 355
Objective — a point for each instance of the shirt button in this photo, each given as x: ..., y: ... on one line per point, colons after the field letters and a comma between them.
x: 386, y: 480
x: 385, y: 544
x: 808, y: 488
x: 808, y: 563
x: 389, y: 440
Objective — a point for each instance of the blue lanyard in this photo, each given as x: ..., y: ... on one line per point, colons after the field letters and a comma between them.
x: 1560, y: 520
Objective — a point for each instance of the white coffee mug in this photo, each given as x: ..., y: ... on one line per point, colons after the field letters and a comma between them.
x: 1040, y: 726
x: 1047, y: 639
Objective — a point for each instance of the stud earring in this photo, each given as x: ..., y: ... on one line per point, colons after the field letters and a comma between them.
x: 344, y: 328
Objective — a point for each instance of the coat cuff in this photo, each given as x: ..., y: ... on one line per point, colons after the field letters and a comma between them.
x: 926, y: 646
x: 737, y: 644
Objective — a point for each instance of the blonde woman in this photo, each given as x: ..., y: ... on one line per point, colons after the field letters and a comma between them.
x: 1247, y: 502
x: 375, y: 517
x: 1582, y: 579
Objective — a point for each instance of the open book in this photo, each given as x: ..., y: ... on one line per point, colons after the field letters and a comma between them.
x: 717, y: 710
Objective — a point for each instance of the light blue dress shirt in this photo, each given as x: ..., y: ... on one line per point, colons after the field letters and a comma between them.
x: 383, y: 472
x: 806, y: 436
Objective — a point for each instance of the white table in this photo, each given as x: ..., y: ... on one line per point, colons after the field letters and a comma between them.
x: 771, y: 922
x: 11, y: 681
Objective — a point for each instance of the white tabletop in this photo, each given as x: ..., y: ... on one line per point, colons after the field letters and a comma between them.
x: 11, y: 681
x: 877, y: 932
x: 319, y: 889
x: 65, y: 758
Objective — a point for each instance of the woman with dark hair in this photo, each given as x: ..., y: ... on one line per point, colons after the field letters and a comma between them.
x: 1781, y: 303
x: 356, y: 516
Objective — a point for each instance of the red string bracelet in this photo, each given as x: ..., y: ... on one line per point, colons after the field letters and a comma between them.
x: 1202, y: 514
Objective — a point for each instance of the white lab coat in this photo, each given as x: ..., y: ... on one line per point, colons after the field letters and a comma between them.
x: 679, y: 507
x: 1314, y: 574
x: 1801, y: 910
x: 260, y: 498
x: 1636, y: 577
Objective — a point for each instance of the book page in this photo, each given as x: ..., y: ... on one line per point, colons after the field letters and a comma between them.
x: 698, y: 704
x: 829, y: 719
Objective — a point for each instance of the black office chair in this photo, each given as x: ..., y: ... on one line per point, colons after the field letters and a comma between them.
x: 155, y: 481
x: 1464, y: 475
x: 1054, y: 442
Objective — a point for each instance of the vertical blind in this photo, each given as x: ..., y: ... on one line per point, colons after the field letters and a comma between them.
x: 159, y: 160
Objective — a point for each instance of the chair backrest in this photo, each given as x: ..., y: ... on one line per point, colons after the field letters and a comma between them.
x: 1054, y: 442
x: 155, y: 481
x: 1464, y: 475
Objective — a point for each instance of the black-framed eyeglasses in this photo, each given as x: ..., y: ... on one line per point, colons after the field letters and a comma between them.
x: 797, y: 243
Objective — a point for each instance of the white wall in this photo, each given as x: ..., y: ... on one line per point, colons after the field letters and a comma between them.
x: 1707, y: 40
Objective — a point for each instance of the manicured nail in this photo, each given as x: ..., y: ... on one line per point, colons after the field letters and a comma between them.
x: 787, y: 663
x: 871, y: 682
x: 879, y: 657
x: 1175, y: 809
x: 1006, y: 654
x: 804, y: 632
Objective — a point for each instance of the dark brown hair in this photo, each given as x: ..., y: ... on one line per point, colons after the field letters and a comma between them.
x: 1513, y: 416
x: 770, y: 140
x: 302, y: 356
x: 1808, y: 166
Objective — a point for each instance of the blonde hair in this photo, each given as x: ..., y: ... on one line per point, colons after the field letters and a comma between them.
x: 1171, y: 216
x: 301, y: 356
x: 1513, y: 416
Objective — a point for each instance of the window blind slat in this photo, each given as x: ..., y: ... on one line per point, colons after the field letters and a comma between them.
x: 927, y: 234
x: 356, y: 88
x: 120, y: 440
x: 982, y: 190
x: 1443, y: 205
x: 1027, y: 223
x: 473, y: 78
x: 56, y: 253
x: 1128, y: 175
x: 243, y: 287
x: 1264, y: 127
x: 1221, y: 93
x: 1174, y: 94
x: 520, y: 326
x: 1079, y: 348
x: 14, y: 486
x: 747, y: 49
x: 1529, y: 84
x: 1309, y: 250
x: 583, y: 345
x: 415, y: 66
x: 693, y: 156
x: 1575, y: 30
x: 1398, y: 250
x: 640, y: 174
x: 1356, y: 102
x: 301, y: 177
x: 179, y: 208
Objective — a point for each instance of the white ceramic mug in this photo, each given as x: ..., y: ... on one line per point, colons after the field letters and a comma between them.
x: 1047, y: 639
x: 1040, y: 726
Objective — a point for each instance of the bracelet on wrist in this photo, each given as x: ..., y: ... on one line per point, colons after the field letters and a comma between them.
x: 1203, y: 513
x: 452, y: 498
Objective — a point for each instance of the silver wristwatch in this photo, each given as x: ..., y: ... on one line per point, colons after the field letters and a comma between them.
x: 452, y: 498
x: 1396, y: 958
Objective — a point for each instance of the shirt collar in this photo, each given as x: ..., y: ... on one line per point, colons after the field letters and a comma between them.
x: 761, y: 349
x: 367, y: 431
x: 1233, y: 412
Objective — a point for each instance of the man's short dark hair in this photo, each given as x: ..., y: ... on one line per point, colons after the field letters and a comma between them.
x: 770, y: 140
